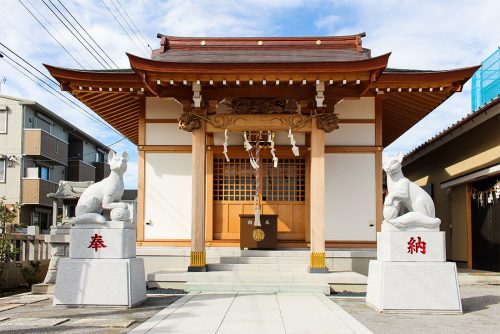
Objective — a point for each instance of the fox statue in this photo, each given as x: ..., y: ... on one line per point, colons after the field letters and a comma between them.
x: 105, y: 194
x: 404, y: 195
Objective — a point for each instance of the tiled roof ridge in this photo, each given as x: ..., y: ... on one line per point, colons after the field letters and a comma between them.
x: 261, y: 43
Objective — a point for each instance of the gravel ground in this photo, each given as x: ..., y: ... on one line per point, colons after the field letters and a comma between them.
x: 43, y: 310
x: 481, y: 308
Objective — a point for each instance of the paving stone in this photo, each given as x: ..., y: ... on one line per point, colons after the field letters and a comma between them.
x: 32, y: 322
x: 3, y: 318
x: 6, y: 306
x: 121, y: 323
x: 29, y: 299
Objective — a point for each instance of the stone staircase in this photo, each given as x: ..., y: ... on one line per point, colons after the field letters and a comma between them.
x: 259, y: 271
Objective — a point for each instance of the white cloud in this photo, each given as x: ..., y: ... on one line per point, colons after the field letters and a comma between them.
x: 428, y: 35
x: 423, y: 35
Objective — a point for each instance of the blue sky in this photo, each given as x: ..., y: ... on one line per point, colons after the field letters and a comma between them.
x: 420, y: 34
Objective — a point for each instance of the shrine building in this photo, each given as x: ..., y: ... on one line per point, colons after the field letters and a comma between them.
x: 293, y: 126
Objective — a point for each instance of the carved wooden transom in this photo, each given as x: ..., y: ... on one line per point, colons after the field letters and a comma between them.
x: 263, y: 106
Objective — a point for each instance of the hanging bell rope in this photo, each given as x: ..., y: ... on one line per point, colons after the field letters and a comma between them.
x: 257, y: 183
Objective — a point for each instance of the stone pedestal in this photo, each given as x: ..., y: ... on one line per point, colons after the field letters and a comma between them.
x: 118, y: 282
x: 102, y: 268
x: 412, y: 275
x: 398, y: 246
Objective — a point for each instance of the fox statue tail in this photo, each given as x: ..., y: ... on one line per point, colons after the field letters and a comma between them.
x: 89, y: 218
x: 416, y: 219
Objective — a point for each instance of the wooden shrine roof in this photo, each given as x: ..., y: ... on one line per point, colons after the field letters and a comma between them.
x: 261, y: 50
x: 273, y: 68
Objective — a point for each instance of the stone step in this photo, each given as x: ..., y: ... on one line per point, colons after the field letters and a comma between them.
x: 265, y: 260
x: 258, y: 277
x: 265, y: 267
x: 274, y: 253
x: 257, y: 287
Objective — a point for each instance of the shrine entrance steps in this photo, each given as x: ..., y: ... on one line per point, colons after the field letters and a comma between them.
x: 267, y: 271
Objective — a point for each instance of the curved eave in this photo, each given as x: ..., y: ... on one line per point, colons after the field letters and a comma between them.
x: 415, y: 78
x: 271, y: 71
x: 409, y: 96
x: 111, y: 95
x: 104, y: 78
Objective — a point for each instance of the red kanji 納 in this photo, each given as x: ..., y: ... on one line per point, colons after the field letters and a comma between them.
x: 96, y: 242
x: 416, y: 245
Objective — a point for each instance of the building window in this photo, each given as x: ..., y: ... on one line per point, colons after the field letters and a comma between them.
x: 43, y: 172
x: 99, y: 156
x: 43, y: 124
x: 3, y: 119
x: 2, y: 170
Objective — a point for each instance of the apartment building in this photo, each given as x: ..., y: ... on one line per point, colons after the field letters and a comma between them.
x: 37, y: 150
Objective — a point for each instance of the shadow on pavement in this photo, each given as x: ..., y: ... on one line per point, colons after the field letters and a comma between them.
x: 478, y: 303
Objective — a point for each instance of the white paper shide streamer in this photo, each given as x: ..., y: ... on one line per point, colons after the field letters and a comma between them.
x: 248, y: 147
x: 273, y: 150
x: 226, y: 137
x: 295, y: 149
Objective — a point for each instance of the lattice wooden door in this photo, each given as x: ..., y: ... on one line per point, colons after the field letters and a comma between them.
x: 283, y: 193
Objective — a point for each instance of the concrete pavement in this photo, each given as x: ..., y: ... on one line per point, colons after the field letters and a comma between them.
x: 252, y: 313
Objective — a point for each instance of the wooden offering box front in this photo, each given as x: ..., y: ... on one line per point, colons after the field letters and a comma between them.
x: 254, y: 237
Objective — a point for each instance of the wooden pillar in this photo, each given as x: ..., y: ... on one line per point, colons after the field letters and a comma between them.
x: 209, y: 188
x: 198, y: 256
x: 141, y: 166
x: 379, y: 175
x: 317, y: 200
x: 468, y: 217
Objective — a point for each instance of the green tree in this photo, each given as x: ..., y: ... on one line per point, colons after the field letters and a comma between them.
x: 7, y: 251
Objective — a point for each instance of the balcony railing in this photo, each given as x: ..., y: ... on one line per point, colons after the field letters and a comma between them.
x: 30, y: 247
x: 80, y: 171
x: 102, y: 170
x: 40, y: 143
x: 35, y: 191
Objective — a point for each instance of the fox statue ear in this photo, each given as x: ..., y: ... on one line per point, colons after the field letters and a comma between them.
x: 400, y: 156
x: 111, y: 155
x: 125, y: 155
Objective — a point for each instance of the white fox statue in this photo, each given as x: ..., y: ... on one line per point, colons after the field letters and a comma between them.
x: 105, y: 194
x: 404, y: 194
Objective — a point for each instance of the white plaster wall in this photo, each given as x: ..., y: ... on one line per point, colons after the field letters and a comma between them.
x: 352, y: 135
x: 350, y: 197
x: 166, y: 134
x: 162, y: 108
x: 364, y: 108
x: 168, y: 183
x: 11, y: 144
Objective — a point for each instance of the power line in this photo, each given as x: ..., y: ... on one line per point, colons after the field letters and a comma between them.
x: 37, y: 83
x: 57, y: 32
x: 35, y: 44
x: 126, y: 22
x: 126, y: 32
x: 87, y: 113
x: 43, y: 26
x: 36, y: 69
x: 77, y: 22
x: 71, y: 31
x: 144, y: 39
